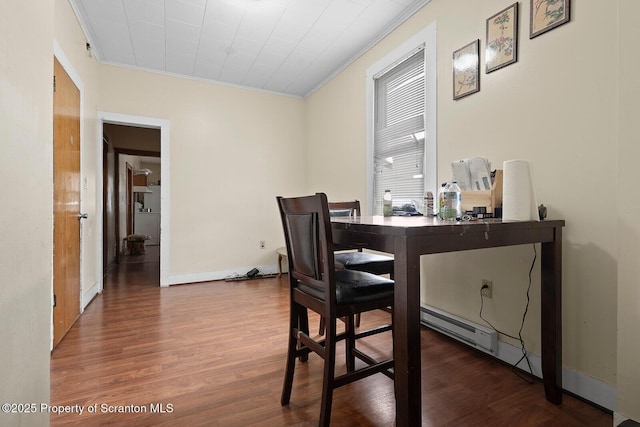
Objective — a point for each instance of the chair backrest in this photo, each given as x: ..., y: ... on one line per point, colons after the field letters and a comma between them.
x: 351, y: 209
x: 307, y: 232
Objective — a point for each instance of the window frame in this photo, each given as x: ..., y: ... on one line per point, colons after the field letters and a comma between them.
x: 426, y: 40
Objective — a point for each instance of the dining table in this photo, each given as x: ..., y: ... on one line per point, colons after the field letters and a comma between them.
x: 410, y: 237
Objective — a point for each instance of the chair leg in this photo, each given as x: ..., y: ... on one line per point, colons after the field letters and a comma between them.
x: 294, y: 320
x: 350, y: 343
x: 358, y: 320
x: 303, y: 326
x: 329, y: 373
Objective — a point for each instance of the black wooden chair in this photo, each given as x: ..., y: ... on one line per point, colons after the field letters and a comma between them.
x: 354, y: 258
x: 358, y: 260
x: 315, y: 284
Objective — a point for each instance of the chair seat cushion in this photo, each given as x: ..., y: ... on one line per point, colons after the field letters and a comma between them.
x: 354, y: 286
x: 364, y: 261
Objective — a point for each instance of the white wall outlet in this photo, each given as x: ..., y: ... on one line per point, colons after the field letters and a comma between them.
x: 486, y: 288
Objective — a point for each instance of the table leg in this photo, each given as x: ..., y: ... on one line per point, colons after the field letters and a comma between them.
x: 551, y: 322
x: 406, y: 324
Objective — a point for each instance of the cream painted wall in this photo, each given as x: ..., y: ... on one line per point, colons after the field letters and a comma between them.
x: 555, y: 107
x: 628, y: 207
x: 26, y: 223
x: 232, y: 152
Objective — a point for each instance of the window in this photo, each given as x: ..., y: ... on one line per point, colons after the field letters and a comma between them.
x: 401, y: 137
x: 398, y: 140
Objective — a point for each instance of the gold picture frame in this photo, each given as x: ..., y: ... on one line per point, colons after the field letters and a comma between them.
x: 466, y: 70
x: 502, y: 39
x: 546, y: 15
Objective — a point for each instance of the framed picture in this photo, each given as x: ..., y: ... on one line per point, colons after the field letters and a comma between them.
x: 546, y: 15
x: 466, y: 70
x: 502, y: 39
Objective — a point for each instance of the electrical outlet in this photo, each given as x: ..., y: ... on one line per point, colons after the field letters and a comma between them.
x: 262, y: 244
x: 486, y: 289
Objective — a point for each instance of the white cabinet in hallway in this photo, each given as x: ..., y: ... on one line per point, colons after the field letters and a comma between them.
x: 152, y: 199
x: 148, y: 223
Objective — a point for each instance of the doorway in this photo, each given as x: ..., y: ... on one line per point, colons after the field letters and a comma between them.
x: 118, y: 227
x: 129, y: 174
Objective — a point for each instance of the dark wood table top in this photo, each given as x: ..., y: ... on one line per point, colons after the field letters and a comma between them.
x: 461, y: 235
x: 432, y: 222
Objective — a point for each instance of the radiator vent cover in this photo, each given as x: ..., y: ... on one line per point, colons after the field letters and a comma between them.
x: 463, y: 330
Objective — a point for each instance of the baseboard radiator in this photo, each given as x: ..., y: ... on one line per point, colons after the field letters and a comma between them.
x: 470, y: 333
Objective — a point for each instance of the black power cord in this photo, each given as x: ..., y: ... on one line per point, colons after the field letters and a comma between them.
x: 531, y: 378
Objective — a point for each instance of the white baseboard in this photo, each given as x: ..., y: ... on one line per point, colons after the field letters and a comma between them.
x: 582, y: 385
x: 618, y: 419
x: 91, y: 294
x: 179, y: 279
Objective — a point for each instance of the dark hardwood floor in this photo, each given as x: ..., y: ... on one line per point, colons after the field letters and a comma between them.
x: 212, y: 354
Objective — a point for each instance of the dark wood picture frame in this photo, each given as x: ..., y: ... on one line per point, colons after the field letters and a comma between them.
x: 466, y: 70
x: 545, y: 15
x: 501, y: 48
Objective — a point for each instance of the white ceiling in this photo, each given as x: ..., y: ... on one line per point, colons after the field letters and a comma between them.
x: 284, y: 46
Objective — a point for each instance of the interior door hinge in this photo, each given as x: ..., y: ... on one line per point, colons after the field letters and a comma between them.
x: 54, y: 300
x: 54, y: 83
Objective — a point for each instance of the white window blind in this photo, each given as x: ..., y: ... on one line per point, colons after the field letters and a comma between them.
x: 399, y: 142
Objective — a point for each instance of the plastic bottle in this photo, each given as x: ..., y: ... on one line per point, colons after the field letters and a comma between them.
x: 387, y: 203
x: 457, y: 204
x: 452, y: 202
x: 441, y: 200
x: 428, y: 204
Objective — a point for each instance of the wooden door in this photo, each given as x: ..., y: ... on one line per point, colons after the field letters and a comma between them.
x: 66, y: 203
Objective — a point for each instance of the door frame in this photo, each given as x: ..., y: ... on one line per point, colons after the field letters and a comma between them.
x: 59, y: 54
x: 153, y: 123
